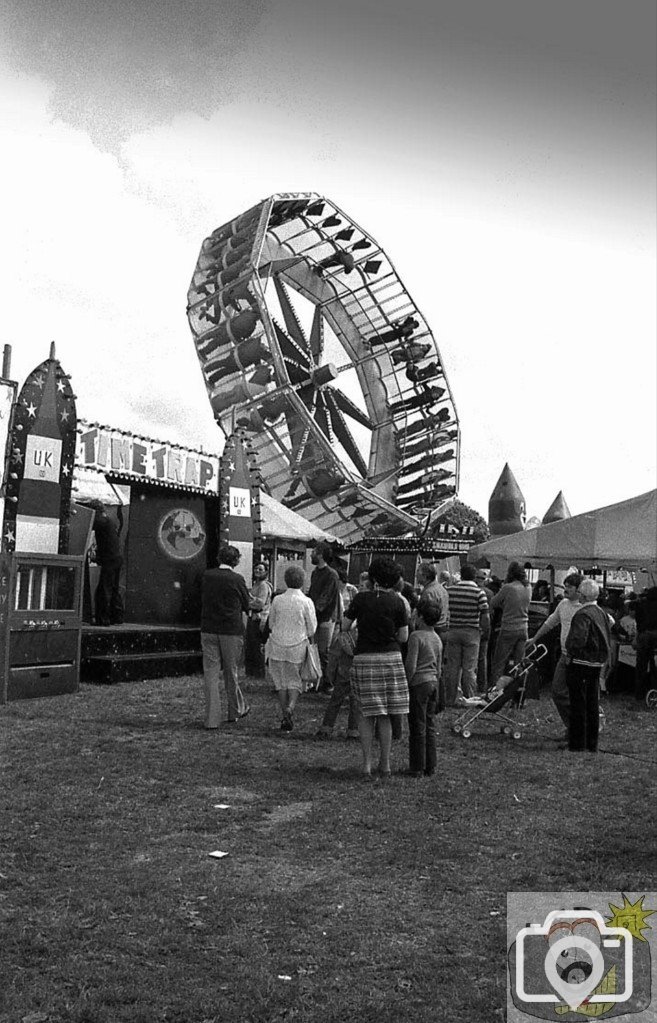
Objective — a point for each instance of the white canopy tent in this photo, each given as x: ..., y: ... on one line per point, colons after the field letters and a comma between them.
x: 281, y: 523
x: 620, y: 536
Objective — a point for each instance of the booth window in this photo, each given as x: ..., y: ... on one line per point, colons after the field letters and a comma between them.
x: 45, y: 588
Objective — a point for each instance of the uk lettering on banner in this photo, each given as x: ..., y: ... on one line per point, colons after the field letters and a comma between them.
x: 239, y: 502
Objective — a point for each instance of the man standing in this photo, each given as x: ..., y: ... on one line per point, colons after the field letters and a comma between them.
x: 325, y: 595
x: 646, y: 639
x: 225, y: 601
x: 436, y: 592
x: 109, y: 604
x: 562, y: 616
x: 588, y: 648
x: 468, y: 620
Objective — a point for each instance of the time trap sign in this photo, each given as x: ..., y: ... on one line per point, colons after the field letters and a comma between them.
x: 123, y: 454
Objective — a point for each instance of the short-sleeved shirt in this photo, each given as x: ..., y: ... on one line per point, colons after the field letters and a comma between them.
x: 467, y: 602
x: 224, y: 598
x: 380, y: 615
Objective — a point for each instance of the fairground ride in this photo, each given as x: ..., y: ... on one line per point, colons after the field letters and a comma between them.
x: 309, y: 342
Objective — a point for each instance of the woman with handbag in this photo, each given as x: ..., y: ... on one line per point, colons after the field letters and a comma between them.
x: 292, y: 624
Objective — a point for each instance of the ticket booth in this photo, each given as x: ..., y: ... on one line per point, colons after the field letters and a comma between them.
x: 40, y: 624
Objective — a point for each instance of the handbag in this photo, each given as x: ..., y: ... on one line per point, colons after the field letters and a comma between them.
x: 311, y: 668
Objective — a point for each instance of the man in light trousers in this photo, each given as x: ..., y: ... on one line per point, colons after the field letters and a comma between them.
x: 225, y: 602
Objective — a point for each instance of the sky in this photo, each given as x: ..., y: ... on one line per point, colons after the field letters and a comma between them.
x: 502, y: 152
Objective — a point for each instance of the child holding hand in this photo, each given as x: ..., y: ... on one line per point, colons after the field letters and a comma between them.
x: 423, y: 666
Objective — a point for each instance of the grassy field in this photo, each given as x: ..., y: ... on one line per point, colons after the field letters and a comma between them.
x: 338, y: 900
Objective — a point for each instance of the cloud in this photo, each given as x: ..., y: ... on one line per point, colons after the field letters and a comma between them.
x: 88, y: 264
x: 505, y: 162
x: 117, y: 66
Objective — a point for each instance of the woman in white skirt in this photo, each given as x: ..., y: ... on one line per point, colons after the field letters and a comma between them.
x: 292, y: 624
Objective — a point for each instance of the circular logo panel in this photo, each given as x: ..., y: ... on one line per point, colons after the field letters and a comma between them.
x: 180, y: 534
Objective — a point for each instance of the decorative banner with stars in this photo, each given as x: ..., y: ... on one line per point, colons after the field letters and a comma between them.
x: 239, y: 493
x: 41, y: 459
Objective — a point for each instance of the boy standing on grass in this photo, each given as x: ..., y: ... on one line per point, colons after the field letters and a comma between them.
x: 423, y: 666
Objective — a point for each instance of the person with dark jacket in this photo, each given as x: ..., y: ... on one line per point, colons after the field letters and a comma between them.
x: 588, y: 647
x: 325, y: 594
x: 109, y: 603
x: 224, y: 602
x: 646, y: 639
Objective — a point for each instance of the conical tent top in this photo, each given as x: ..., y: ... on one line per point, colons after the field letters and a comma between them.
x: 506, y: 507
x: 558, y: 510
x: 506, y: 486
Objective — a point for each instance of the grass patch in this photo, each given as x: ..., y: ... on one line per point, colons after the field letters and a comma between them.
x: 338, y: 901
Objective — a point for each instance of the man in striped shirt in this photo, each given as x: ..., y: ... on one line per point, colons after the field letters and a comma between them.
x: 468, y: 621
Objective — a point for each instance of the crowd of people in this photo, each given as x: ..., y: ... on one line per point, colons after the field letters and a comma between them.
x: 393, y: 650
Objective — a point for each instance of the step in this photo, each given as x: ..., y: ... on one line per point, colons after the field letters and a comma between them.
x: 111, y: 642
x: 107, y: 669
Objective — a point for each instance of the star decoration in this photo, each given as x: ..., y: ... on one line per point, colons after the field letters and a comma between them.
x: 60, y: 386
x: 65, y: 470
x: 17, y: 457
x: 64, y: 416
x: 31, y: 410
x: 9, y: 536
x: 39, y: 381
x: 231, y: 466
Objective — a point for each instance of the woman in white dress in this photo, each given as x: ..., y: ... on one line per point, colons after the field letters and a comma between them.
x: 292, y: 624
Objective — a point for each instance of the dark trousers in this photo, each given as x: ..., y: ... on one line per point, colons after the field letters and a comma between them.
x: 339, y: 678
x: 646, y: 644
x: 109, y: 605
x: 441, y: 632
x: 482, y: 665
x: 422, y: 728
x: 583, y: 688
x: 254, y: 654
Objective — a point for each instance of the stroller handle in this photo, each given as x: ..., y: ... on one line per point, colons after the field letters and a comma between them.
x: 537, y: 652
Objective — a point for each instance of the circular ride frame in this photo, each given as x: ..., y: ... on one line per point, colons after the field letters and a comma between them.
x: 271, y: 380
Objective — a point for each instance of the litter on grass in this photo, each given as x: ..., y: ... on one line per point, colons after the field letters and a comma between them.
x: 218, y: 854
x: 222, y: 806
x: 284, y: 976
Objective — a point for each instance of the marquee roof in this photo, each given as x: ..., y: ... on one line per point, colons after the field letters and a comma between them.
x: 622, y: 535
x: 281, y: 523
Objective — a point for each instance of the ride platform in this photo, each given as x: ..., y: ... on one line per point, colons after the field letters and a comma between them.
x: 130, y: 652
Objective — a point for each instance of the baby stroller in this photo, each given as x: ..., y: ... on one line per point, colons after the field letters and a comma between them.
x: 510, y: 688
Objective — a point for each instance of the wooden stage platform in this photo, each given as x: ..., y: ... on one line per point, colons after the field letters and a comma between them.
x: 132, y: 651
